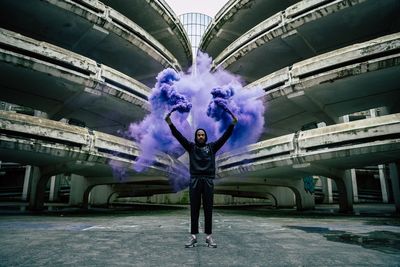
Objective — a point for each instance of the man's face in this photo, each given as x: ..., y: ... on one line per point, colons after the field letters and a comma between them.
x: 201, y: 137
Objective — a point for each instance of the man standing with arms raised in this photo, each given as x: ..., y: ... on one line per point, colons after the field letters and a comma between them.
x: 202, y: 174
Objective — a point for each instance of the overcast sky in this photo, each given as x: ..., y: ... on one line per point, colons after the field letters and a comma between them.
x: 208, y: 7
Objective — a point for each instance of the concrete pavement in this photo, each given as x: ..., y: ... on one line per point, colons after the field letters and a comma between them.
x: 246, y: 236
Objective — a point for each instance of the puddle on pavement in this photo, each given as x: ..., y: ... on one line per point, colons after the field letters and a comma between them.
x: 384, y: 241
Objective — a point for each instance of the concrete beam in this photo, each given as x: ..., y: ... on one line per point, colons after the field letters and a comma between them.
x: 85, y: 37
x: 161, y: 22
x: 62, y: 83
x: 286, y: 160
x: 331, y: 85
x: 279, y: 40
x: 235, y: 18
x: 76, y: 150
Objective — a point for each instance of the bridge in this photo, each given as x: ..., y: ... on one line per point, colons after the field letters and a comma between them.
x: 95, y: 61
x: 327, y: 151
x: 283, y: 161
x: 94, y: 30
x: 57, y: 148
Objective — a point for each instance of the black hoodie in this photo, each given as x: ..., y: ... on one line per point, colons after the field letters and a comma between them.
x: 202, y: 156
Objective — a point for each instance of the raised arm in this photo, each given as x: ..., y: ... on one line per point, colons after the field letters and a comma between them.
x: 181, y: 139
x: 228, y: 132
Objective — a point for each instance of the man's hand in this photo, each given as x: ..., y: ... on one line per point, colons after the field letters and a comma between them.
x: 168, y: 118
x: 234, y: 119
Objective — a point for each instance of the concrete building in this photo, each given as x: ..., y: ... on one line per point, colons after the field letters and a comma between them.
x: 195, y: 25
x: 353, y: 48
x: 85, y: 69
x: 329, y: 69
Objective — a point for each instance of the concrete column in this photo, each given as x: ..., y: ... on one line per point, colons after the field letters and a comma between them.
x: 25, y: 189
x: 53, y: 188
x: 382, y: 178
x: 344, y: 185
x: 41, y: 114
x: 283, y: 196
x: 330, y: 191
x: 394, y: 176
x: 352, y: 174
x: 100, y: 194
x: 327, y: 190
x: 344, y: 118
x: 26, y: 186
x: 304, y: 200
x: 55, y: 183
x: 38, y: 182
x: 34, y: 177
x: 79, y: 185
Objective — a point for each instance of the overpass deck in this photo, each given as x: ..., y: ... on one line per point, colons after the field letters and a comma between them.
x: 325, y: 87
x: 68, y: 85
x: 324, y: 151
x: 157, y: 18
x: 92, y: 29
x: 61, y: 148
x: 299, y: 33
x: 235, y: 18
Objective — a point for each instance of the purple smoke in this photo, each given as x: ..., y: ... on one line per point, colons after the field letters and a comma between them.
x: 209, y: 97
x: 153, y: 134
x: 249, y: 110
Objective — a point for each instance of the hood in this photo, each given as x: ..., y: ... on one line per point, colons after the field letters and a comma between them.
x: 195, y: 139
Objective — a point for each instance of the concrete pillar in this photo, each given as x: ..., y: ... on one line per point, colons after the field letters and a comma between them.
x: 55, y: 184
x: 394, y: 176
x: 26, y: 186
x: 41, y: 114
x: 79, y: 185
x: 330, y: 191
x: 283, y: 196
x: 352, y: 174
x: 344, y: 185
x: 37, y: 188
x: 384, y: 188
x: 327, y: 190
x: 34, y: 177
x: 304, y: 200
x: 344, y: 118
x: 382, y: 176
x: 100, y: 194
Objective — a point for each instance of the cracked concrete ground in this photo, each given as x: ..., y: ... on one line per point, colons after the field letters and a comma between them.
x: 246, y: 236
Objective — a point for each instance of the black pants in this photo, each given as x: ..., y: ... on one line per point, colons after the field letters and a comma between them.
x: 201, y: 187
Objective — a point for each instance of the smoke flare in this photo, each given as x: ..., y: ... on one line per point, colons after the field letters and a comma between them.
x: 209, y: 97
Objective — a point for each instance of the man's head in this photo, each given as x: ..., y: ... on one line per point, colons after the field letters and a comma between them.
x: 200, y: 137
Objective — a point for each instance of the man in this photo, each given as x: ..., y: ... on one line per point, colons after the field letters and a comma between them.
x: 202, y: 174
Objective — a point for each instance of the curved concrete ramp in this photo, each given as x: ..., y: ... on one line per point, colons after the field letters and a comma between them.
x: 60, y: 148
x: 325, y: 87
x: 300, y: 32
x: 327, y: 151
x: 159, y: 20
x: 321, y: 151
x: 68, y: 85
x: 235, y: 18
x: 92, y: 29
